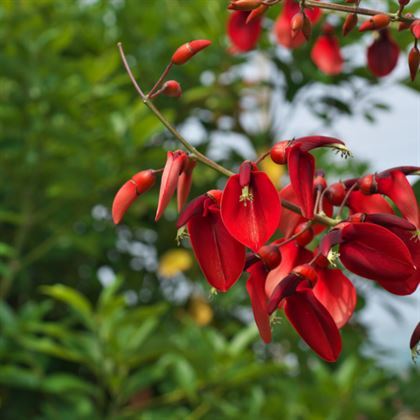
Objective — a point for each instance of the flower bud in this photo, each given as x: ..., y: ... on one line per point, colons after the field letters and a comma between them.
x: 296, y: 23
x: 278, y: 152
x: 188, y: 50
x: 368, y: 185
x: 171, y: 88
x: 270, y: 256
x: 127, y: 194
x: 413, y: 62
x: 376, y: 22
x: 336, y: 193
x: 244, y: 5
x: 349, y: 23
x: 256, y: 13
x: 415, y: 28
x: 306, y: 236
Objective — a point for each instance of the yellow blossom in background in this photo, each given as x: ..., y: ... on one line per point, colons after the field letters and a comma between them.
x: 273, y: 170
x: 200, y: 311
x: 174, y: 261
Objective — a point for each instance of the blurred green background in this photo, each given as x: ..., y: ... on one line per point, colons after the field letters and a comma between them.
x: 105, y: 322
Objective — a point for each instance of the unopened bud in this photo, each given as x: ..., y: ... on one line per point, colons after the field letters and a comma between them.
x: 245, y: 5
x: 376, y: 22
x: 171, y: 88
x: 413, y: 62
x: 256, y: 13
x: 349, y: 23
x: 188, y: 50
x: 415, y: 28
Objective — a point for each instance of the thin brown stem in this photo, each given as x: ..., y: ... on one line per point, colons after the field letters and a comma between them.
x: 262, y: 157
x: 346, y: 197
x: 199, y: 156
x: 358, y: 10
x: 296, y: 235
x: 160, y: 80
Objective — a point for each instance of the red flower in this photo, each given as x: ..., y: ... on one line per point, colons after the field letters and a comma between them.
x: 250, y: 207
x: 371, y: 251
x: 243, y: 36
x: 220, y: 256
x: 174, y: 165
x: 301, y: 165
x: 326, y: 54
x: 188, y: 50
x: 283, y: 25
x: 382, y: 55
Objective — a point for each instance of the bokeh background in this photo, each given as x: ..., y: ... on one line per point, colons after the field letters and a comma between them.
x: 98, y: 321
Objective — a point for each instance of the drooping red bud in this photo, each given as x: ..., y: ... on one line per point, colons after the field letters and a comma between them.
x: 270, y: 256
x: 336, y: 193
x: 367, y: 184
x: 415, y: 28
x: 413, y: 62
x: 251, y: 213
x: 244, y: 5
x: 282, y: 27
x: 326, y: 55
x: 382, y: 55
x: 296, y: 23
x: 185, y: 182
x: 220, y: 256
x: 243, y: 36
x: 171, y: 88
x: 188, y: 50
x: 314, y: 324
x: 256, y: 13
x: 173, y: 167
x: 349, y: 23
x: 319, y: 181
x: 255, y: 287
x: 377, y: 22
x: 278, y: 152
x: 307, y: 234
x: 337, y: 294
x: 127, y: 194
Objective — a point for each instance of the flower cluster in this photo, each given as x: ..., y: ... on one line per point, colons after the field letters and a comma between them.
x: 289, y: 242
x: 293, y: 27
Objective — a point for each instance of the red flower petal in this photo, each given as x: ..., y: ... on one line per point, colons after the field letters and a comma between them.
x: 194, y: 208
x: 389, y: 221
x: 174, y: 164
x: 361, y: 203
x: 251, y: 222
x: 255, y: 286
x: 382, y: 55
x: 337, y: 294
x: 184, y: 183
x: 311, y: 142
x: 396, y: 186
x: 374, y: 252
x: 288, y: 219
x: 327, y: 56
x: 221, y: 257
x: 301, y: 171
x: 244, y: 37
x: 314, y: 324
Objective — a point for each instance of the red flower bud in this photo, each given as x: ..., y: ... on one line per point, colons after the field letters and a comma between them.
x: 413, y: 62
x: 368, y: 185
x: 300, y: 23
x: 126, y: 195
x: 349, y: 23
x: 306, y: 237
x: 188, y: 50
x: 171, y: 88
x: 415, y: 28
x: 377, y: 22
x: 270, y: 256
x: 256, y: 14
x: 307, y: 272
x: 336, y: 193
x: 245, y: 5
